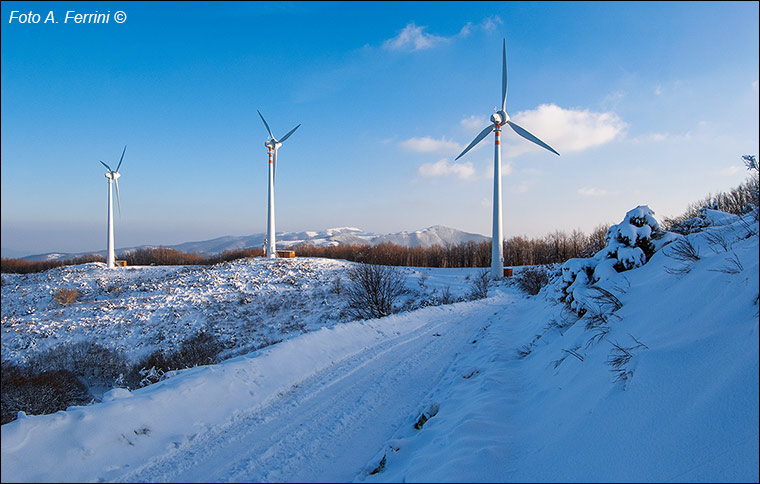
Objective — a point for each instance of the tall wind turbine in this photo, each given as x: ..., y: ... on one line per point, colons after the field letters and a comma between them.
x: 499, y: 119
x: 272, y: 144
x: 113, y: 178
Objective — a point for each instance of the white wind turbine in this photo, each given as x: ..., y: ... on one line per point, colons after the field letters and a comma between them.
x: 113, y: 178
x: 272, y: 144
x: 499, y: 119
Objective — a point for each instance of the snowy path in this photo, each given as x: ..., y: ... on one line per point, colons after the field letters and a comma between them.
x: 328, y: 427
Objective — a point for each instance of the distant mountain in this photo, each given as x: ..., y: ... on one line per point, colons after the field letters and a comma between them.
x: 435, y: 235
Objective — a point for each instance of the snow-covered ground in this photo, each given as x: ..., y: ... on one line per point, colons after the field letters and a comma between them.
x: 248, y: 303
x: 515, y: 388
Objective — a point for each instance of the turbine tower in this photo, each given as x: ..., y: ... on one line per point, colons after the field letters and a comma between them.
x: 499, y: 119
x: 113, y: 178
x: 272, y: 144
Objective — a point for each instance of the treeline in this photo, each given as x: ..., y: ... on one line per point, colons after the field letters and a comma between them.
x: 738, y: 200
x: 154, y: 256
x: 518, y: 251
x: 23, y: 266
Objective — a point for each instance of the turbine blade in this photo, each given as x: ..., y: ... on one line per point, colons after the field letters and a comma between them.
x: 522, y: 132
x: 477, y: 140
x: 265, y: 124
x: 287, y: 135
x: 118, y: 203
x: 504, y: 76
x: 121, y: 159
x: 107, y: 167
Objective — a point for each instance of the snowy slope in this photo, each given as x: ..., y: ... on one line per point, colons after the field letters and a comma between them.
x: 339, y: 403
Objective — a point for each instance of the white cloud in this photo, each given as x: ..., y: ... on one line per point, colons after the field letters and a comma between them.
x: 474, y: 124
x: 592, y: 192
x: 413, y: 38
x: 565, y: 130
x: 442, y: 168
x: 491, y: 23
x: 426, y: 144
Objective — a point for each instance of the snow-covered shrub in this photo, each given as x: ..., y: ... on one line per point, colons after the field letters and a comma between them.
x: 532, y: 279
x: 479, y: 284
x: 629, y: 244
x: 94, y: 363
x: 373, y: 290
x: 201, y: 349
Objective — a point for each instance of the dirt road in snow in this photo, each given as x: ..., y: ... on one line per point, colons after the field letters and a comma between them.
x: 330, y: 426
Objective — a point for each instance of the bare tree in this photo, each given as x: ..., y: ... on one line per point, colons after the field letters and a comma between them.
x: 373, y: 290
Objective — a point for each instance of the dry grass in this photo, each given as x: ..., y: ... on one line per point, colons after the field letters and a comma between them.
x: 64, y: 297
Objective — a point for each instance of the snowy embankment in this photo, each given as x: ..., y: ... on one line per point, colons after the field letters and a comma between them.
x: 686, y: 411
x: 658, y: 381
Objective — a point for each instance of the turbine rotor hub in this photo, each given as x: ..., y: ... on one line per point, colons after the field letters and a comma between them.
x: 499, y: 117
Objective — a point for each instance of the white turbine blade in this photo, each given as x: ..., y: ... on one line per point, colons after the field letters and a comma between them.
x: 477, y: 140
x: 118, y: 203
x: 121, y: 159
x: 265, y: 124
x: 504, y: 76
x: 282, y: 140
x: 530, y: 137
x: 107, y: 167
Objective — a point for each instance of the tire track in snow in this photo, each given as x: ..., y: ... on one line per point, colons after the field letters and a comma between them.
x: 327, y: 427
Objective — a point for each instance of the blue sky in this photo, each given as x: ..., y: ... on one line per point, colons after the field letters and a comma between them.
x: 648, y: 103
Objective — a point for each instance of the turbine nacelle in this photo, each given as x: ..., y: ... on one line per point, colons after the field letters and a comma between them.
x: 272, y: 144
x: 112, y: 175
x: 499, y: 118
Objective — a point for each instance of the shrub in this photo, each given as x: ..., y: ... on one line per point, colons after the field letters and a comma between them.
x: 373, y: 290
x: 64, y: 297
x: 93, y: 362
x: 630, y: 244
x: 39, y: 393
x: 532, y: 279
x: 479, y: 285
x: 201, y: 349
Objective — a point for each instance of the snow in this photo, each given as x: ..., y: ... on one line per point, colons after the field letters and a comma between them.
x: 340, y: 401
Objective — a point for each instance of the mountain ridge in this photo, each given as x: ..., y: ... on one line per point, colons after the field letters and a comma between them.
x: 427, y: 237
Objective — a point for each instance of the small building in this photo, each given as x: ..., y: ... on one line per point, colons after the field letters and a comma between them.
x: 286, y: 254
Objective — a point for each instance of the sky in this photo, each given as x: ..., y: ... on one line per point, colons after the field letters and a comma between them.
x: 649, y: 103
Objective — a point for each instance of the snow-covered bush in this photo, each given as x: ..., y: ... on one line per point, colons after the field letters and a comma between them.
x: 532, y: 279
x: 629, y: 244
x: 373, y: 290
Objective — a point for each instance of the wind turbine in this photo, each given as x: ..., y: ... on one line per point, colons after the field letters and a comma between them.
x: 272, y: 144
x: 113, y: 178
x: 499, y: 119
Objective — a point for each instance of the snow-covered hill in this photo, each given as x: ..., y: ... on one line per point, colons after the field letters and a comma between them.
x: 658, y: 383
x: 435, y: 235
